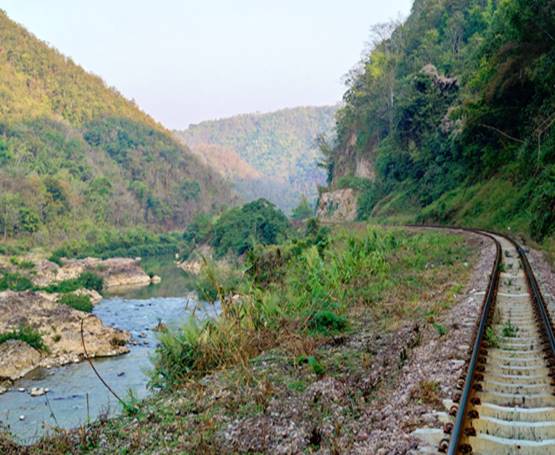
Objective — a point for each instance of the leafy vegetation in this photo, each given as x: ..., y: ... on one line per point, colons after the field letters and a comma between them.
x: 107, y: 243
x: 16, y: 281
x: 77, y: 158
x: 77, y: 302
x: 509, y: 330
x: 301, y: 292
x: 454, y: 109
x: 27, y: 334
x: 87, y: 280
x: 278, y: 150
x: 239, y: 229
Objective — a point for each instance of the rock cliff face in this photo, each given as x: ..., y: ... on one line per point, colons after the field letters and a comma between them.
x: 60, y: 327
x: 338, y: 205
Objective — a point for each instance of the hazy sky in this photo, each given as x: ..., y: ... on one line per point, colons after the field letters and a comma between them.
x: 185, y: 61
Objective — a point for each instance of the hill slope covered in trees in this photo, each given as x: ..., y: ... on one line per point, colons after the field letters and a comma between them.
x: 76, y: 157
x: 281, y: 146
x: 454, y: 110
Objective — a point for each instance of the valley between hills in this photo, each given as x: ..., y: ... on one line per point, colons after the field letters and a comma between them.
x: 370, y: 277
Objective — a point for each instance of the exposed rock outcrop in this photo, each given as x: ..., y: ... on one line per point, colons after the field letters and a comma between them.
x: 114, y: 271
x: 194, y: 264
x: 17, y: 358
x: 338, y: 205
x: 95, y: 296
x: 60, y: 327
x: 444, y: 83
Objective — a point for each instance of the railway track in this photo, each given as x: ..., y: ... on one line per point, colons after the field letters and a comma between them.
x: 507, y: 399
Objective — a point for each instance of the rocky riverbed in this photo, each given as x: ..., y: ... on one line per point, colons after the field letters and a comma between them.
x: 59, y: 324
x: 74, y: 394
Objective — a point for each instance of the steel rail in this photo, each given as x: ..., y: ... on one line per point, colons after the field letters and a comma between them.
x: 537, y: 296
x: 487, y: 307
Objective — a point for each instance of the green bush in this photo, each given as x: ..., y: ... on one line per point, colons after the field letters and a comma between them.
x: 22, y: 263
x: 77, y: 302
x: 216, y: 282
x: 115, y: 243
x: 27, y: 334
x: 90, y: 280
x: 543, y: 206
x: 15, y: 282
x: 327, y: 322
x: 356, y: 183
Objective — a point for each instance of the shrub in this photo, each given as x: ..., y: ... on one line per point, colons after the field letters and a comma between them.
x: 77, y: 302
x: 199, y: 230
x: 15, y: 282
x: 326, y: 322
x: 90, y: 280
x: 356, y: 183
x: 27, y: 334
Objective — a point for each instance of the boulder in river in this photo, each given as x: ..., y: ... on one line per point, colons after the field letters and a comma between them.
x: 38, y: 391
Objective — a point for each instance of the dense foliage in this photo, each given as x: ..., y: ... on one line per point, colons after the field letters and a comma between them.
x: 76, y: 156
x: 279, y: 150
x: 107, y: 243
x: 457, y: 96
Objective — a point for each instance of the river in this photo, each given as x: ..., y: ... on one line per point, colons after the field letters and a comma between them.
x: 75, y: 395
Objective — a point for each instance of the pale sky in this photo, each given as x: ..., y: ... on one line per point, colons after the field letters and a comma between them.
x: 187, y: 61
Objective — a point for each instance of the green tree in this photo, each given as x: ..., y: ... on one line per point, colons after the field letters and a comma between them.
x: 237, y: 230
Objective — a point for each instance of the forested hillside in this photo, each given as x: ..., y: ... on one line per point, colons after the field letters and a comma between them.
x: 281, y: 146
x: 454, y: 111
x: 76, y: 157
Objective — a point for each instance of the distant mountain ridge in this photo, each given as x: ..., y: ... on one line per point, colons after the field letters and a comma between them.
x: 280, y: 145
x: 77, y: 156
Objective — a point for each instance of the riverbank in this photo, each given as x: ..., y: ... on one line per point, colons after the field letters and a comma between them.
x: 51, y: 302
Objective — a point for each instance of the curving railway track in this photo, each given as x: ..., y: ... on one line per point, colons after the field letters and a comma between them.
x: 506, y: 403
